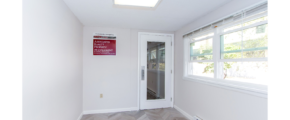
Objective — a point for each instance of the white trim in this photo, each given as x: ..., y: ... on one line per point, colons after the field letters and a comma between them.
x: 172, y: 75
x: 239, y: 11
x: 139, y: 68
x: 184, y: 113
x: 216, y: 55
x: 110, y: 110
x: 80, y: 116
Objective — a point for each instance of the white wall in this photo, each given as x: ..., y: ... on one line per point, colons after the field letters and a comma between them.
x: 52, y: 61
x: 206, y: 101
x: 113, y: 76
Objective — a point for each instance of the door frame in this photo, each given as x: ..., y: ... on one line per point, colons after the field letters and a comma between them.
x: 139, y: 65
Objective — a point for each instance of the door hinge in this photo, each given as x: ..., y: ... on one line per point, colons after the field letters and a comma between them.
x: 171, y: 71
x: 171, y: 43
x: 171, y: 99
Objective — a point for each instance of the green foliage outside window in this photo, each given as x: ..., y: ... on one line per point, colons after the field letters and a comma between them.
x: 252, y: 48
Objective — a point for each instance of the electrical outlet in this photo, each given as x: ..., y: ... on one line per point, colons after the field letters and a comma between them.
x: 101, y: 95
x: 197, y: 118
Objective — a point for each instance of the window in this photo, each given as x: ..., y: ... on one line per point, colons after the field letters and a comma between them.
x: 232, y: 51
x: 201, y: 52
x: 156, y: 56
x: 245, y: 51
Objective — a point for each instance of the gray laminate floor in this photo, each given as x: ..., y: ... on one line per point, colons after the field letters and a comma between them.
x: 154, y: 114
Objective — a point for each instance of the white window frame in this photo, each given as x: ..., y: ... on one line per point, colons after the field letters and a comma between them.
x: 255, y: 89
x: 206, y: 38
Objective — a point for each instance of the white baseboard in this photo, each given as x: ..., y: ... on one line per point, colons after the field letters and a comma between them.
x: 110, y: 110
x: 184, y: 113
x: 80, y: 117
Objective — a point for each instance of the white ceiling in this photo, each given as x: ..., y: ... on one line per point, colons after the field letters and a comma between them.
x: 169, y: 15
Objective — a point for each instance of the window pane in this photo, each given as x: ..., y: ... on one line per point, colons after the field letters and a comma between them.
x: 246, y: 24
x: 148, y: 57
x: 201, y: 50
x: 153, y: 54
x: 153, y: 65
x: 156, y: 72
x: 161, y: 58
x: 255, y: 37
x: 205, y: 69
x: 204, y: 57
x: 256, y: 21
x: 255, y: 42
x: 250, y: 72
x: 253, y: 45
x: 231, y: 45
x: 203, y: 36
x: 161, y: 54
x: 233, y: 55
x: 162, y: 66
x: 233, y: 27
x: 255, y: 54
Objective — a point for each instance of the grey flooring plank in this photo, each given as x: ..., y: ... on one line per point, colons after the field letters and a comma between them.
x: 152, y: 114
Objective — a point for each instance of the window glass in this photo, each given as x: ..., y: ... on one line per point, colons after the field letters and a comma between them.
x: 256, y: 21
x: 243, y: 45
x: 250, y: 72
x: 231, y: 45
x: 205, y: 69
x: 256, y: 37
x: 248, y: 43
x: 246, y: 24
x: 233, y: 27
x: 201, y: 50
x: 203, y: 36
x: 153, y: 54
x: 162, y: 59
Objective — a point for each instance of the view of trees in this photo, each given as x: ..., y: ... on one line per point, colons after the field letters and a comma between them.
x: 254, y: 45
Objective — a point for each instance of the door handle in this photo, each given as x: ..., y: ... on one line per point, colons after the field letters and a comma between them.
x: 142, y: 72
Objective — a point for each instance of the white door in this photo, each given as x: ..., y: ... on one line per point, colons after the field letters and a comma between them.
x: 155, y: 62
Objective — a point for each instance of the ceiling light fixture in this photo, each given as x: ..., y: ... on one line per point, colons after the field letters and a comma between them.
x: 142, y: 3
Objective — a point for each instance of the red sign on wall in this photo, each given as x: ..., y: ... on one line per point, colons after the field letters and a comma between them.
x: 104, y: 47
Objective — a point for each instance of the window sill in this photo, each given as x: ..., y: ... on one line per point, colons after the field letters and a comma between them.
x: 248, y: 88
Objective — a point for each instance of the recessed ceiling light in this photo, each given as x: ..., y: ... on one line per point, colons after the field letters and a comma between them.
x: 143, y: 3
